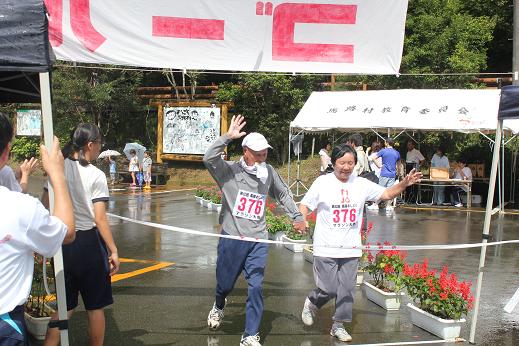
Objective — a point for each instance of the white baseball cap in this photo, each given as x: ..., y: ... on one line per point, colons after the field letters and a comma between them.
x: 255, y: 141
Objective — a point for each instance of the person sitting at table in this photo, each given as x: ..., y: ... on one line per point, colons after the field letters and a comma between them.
x: 439, y: 160
x: 461, y: 172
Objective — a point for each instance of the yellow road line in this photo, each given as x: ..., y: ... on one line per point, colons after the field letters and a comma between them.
x: 158, y: 266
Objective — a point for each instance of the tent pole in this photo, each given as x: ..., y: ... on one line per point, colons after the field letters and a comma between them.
x: 502, y: 202
x: 48, y: 134
x: 486, y: 227
x: 289, y: 138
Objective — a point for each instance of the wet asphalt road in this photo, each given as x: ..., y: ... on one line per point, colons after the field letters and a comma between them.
x: 169, y: 306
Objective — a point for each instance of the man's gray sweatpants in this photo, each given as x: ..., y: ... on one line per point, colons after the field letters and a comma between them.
x: 335, y: 278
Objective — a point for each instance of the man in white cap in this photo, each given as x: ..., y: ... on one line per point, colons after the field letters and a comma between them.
x: 245, y: 185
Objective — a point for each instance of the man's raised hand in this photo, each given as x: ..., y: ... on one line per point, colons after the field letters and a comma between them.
x: 236, y: 126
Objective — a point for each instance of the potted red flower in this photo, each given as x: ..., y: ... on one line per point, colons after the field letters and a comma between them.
x: 440, y: 301
x: 385, y: 269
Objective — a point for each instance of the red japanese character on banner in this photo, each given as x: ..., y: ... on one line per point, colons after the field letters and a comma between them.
x: 79, y: 21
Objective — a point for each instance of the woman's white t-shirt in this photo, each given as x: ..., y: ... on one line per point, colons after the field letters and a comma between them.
x: 339, y: 209
x: 86, y: 185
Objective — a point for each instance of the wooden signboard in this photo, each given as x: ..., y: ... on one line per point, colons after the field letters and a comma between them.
x: 187, y: 128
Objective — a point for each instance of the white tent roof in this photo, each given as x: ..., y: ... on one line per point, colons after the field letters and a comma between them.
x: 465, y: 110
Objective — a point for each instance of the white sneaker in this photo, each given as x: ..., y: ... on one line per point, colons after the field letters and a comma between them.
x: 251, y: 340
x: 215, y: 317
x: 308, y: 313
x: 341, y: 334
x: 459, y: 205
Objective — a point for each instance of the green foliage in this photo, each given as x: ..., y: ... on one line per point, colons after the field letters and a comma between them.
x: 107, y: 98
x: 25, y: 147
x: 277, y: 223
x: 269, y: 102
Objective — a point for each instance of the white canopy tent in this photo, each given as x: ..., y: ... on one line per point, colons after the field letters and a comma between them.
x: 398, y: 111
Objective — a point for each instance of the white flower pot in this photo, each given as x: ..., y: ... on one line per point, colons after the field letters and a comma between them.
x: 295, y: 246
x: 204, y: 203
x: 198, y: 199
x: 445, y: 329
x: 209, y: 205
x: 360, y: 277
x: 308, y: 253
x: 37, y: 326
x: 216, y: 207
x: 387, y: 300
x: 276, y: 236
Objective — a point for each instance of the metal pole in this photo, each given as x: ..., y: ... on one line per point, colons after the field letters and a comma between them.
x: 313, y: 146
x: 288, y: 174
x: 48, y: 134
x: 486, y: 227
x: 502, y: 202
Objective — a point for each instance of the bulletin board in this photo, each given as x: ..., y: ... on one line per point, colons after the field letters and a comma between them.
x: 187, y: 129
x: 28, y: 122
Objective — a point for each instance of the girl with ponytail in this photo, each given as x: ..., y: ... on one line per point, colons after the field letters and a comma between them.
x: 92, y: 258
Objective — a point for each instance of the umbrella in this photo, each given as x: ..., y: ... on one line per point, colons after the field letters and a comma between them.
x: 107, y: 153
x: 139, y: 150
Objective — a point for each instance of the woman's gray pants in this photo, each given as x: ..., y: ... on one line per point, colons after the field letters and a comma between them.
x: 335, y: 278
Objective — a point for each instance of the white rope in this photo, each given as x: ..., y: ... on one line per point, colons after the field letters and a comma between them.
x: 363, y: 247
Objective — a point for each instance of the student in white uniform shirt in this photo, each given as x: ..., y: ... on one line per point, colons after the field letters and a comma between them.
x: 339, y: 199
x: 26, y: 228
x: 92, y: 258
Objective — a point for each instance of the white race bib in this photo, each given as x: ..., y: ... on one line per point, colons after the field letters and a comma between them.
x: 249, y: 205
x: 344, y: 216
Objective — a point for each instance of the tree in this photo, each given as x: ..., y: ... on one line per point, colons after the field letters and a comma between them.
x: 107, y: 98
x: 269, y: 102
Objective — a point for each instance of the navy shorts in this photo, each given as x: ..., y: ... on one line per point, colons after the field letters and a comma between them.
x: 87, y: 271
x: 12, y: 328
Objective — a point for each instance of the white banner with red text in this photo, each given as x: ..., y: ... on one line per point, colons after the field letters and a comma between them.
x: 326, y: 36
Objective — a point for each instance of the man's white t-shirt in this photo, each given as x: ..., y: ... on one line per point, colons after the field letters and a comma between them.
x: 86, y: 185
x: 339, y: 209
x: 8, y: 179
x: 414, y: 156
x: 26, y: 228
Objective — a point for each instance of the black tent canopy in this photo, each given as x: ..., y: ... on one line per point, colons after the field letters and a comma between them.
x: 24, y: 50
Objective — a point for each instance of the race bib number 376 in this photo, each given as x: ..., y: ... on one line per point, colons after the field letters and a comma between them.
x: 343, y: 217
x: 249, y: 205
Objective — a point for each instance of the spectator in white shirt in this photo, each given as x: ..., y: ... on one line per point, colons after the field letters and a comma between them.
x: 462, y: 172
x: 326, y: 161
x: 414, y: 155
